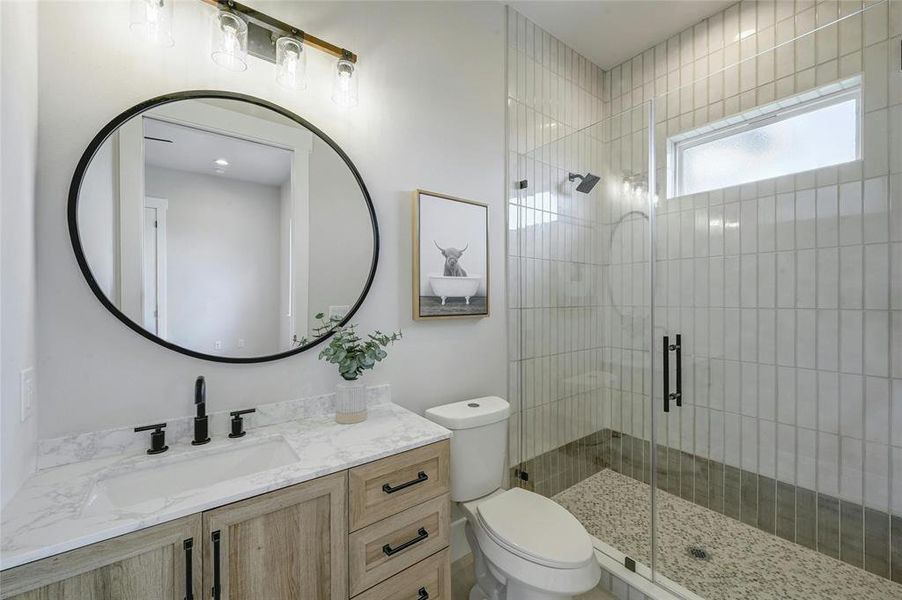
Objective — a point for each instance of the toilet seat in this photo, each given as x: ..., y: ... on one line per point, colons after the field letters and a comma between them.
x: 535, y: 528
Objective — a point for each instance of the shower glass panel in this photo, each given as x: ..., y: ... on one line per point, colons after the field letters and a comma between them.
x: 580, y: 314
x: 776, y: 459
x: 775, y: 464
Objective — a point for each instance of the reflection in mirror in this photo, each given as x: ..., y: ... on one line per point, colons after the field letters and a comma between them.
x: 223, y: 227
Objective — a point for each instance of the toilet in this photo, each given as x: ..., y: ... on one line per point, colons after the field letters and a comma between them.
x: 525, y: 546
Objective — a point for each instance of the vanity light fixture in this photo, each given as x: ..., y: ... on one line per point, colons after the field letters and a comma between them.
x: 238, y: 30
x: 278, y: 42
x: 344, y: 86
x: 291, y: 63
x: 229, y: 41
x: 152, y: 19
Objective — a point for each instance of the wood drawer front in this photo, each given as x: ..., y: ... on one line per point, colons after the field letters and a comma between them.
x: 432, y: 575
x: 370, y: 502
x: 369, y: 562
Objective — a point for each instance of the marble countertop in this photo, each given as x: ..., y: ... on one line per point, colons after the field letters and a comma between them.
x: 45, y: 517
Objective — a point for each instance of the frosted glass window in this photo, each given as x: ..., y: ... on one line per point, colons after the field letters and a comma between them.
x: 808, y: 134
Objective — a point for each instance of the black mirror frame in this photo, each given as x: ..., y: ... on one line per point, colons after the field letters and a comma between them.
x: 109, y: 128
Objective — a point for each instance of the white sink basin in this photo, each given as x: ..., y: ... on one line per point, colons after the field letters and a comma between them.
x: 149, y: 488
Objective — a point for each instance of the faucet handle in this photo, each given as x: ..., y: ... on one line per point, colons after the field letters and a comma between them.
x: 157, y: 437
x: 238, y: 422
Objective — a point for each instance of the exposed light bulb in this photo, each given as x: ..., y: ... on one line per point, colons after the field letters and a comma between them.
x: 152, y: 19
x: 291, y: 63
x: 229, y: 41
x: 344, y: 87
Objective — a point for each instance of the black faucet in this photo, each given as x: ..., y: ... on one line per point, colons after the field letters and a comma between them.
x: 201, y: 428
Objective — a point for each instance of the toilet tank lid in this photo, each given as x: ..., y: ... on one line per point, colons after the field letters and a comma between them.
x: 470, y: 413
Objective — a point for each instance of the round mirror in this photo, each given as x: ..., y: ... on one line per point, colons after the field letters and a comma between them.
x: 221, y: 226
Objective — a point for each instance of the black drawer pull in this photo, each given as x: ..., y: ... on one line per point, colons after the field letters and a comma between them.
x: 424, y: 595
x: 421, y: 477
x: 422, y: 534
x: 188, y: 545
x: 216, y: 587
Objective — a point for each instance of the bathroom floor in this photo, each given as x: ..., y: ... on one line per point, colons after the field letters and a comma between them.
x: 743, y: 563
x: 462, y: 580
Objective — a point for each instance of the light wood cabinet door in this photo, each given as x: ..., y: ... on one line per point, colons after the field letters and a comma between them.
x: 157, y: 563
x: 290, y: 544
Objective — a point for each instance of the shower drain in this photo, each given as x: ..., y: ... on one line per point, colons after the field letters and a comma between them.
x: 699, y: 553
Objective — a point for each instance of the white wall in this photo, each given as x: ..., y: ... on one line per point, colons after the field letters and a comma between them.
x: 222, y: 261
x: 431, y: 116
x: 18, y: 156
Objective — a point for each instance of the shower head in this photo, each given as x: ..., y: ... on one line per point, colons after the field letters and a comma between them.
x: 588, y: 181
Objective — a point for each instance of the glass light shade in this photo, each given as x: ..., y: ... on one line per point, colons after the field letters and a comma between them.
x: 152, y: 19
x: 344, y: 88
x: 229, y: 41
x: 291, y: 63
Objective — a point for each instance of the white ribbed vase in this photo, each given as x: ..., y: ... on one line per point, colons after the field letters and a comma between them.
x: 350, y: 402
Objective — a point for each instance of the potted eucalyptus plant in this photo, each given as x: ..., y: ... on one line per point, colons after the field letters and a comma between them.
x: 353, y: 354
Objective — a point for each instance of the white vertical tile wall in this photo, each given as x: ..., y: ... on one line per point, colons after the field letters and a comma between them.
x: 554, y: 266
x: 801, y: 264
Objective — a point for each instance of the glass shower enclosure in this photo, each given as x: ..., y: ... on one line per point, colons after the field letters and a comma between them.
x: 704, y: 346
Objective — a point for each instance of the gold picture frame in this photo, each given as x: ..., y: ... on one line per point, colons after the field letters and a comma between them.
x: 454, y: 262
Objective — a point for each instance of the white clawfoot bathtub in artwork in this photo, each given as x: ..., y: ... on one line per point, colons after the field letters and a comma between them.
x: 454, y: 287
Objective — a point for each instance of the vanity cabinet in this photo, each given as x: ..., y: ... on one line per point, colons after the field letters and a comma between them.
x: 158, y: 563
x: 291, y: 543
x: 400, y: 522
x: 379, y: 531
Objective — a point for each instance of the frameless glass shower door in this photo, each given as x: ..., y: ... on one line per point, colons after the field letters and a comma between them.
x: 774, y: 270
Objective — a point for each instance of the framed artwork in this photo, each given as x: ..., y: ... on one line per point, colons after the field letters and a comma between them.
x: 450, y: 257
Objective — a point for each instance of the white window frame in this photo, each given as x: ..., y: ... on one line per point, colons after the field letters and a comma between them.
x: 775, y: 112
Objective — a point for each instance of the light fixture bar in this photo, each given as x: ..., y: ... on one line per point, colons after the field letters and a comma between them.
x: 276, y: 28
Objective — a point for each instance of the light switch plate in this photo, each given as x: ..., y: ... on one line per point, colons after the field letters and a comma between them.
x: 26, y: 393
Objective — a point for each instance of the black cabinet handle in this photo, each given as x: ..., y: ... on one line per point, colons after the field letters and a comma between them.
x: 189, y: 578
x: 422, y: 534
x: 216, y: 587
x: 679, y: 370
x: 666, y: 374
x: 421, y: 477
x: 423, y: 594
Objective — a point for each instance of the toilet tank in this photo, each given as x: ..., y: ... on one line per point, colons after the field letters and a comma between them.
x: 478, y: 444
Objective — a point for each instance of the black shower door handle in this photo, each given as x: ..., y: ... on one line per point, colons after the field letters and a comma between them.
x: 668, y: 348
x: 678, y: 347
x: 666, y: 374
